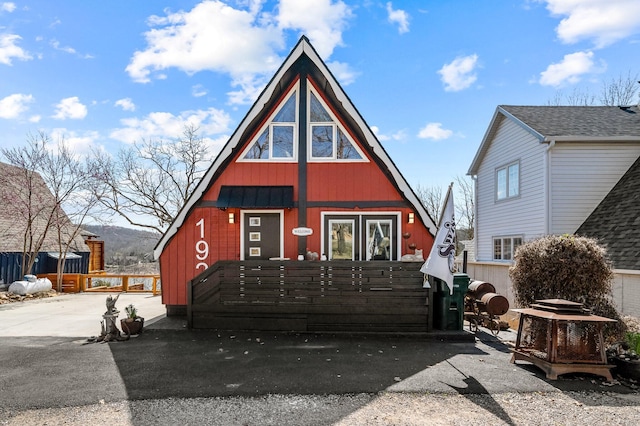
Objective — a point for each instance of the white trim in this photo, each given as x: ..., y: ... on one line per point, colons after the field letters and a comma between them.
x: 227, y: 151
x: 242, y: 228
x: 336, y: 124
x: 361, y: 222
x: 268, y: 125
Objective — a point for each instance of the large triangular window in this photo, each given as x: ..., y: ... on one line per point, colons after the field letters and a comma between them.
x: 276, y: 140
x: 328, y: 140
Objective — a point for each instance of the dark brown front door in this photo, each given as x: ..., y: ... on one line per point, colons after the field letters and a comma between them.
x: 261, y: 236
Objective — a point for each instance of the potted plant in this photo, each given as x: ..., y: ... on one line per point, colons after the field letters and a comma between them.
x: 133, y: 323
x: 625, y: 354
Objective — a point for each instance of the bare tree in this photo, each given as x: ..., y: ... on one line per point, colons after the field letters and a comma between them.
x: 577, y: 97
x: 465, y: 205
x: 31, y: 208
x: 43, y: 181
x: 621, y: 91
x: 68, y: 179
x: 150, y: 180
x: 432, y: 198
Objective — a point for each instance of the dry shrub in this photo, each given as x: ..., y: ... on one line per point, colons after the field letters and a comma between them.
x: 565, y: 267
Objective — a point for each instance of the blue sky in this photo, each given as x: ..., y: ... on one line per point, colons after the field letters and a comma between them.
x: 426, y: 75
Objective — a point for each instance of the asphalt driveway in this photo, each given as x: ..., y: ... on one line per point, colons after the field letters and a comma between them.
x: 169, y: 361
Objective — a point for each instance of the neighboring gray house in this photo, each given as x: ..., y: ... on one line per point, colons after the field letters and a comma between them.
x: 615, y: 223
x: 16, y: 188
x: 544, y: 169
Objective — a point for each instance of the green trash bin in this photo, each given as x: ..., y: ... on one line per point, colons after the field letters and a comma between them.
x: 448, y: 309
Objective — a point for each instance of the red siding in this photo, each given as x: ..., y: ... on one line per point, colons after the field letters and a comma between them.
x: 349, y: 181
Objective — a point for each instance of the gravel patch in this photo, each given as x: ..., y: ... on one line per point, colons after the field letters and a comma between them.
x: 389, y: 408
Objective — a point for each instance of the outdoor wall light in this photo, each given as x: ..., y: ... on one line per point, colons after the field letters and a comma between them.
x: 232, y: 218
x: 411, y: 218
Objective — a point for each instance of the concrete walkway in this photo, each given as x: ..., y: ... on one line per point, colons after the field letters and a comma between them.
x: 72, y: 315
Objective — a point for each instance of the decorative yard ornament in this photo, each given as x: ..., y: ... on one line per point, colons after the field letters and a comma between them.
x: 109, y: 330
x: 441, y: 261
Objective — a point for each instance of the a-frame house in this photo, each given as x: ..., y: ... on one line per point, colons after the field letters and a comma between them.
x: 302, y: 177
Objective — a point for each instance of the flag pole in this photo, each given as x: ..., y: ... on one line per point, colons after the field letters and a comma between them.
x: 441, y: 261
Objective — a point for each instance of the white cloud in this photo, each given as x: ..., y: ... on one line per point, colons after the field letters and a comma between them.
x: 400, y: 135
x: 243, y: 47
x: 198, y: 91
x: 399, y: 17
x: 7, y: 7
x: 14, y: 105
x: 323, y: 21
x: 569, y: 70
x: 78, y: 143
x: 603, y: 21
x: 343, y: 72
x: 459, y: 74
x: 435, y: 132
x: 56, y: 45
x: 9, y: 49
x: 126, y: 104
x: 165, y: 125
x: 70, y: 108
x: 246, y: 44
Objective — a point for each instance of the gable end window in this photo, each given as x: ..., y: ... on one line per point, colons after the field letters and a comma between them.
x: 505, y: 247
x: 508, y: 181
x: 328, y: 141
x: 276, y: 141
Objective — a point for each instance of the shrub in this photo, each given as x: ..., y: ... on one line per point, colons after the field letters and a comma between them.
x: 566, y: 267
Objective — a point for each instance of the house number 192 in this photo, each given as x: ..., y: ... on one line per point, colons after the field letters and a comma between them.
x: 202, y: 247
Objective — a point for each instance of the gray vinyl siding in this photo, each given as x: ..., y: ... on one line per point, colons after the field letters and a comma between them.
x: 521, y: 216
x: 581, y: 175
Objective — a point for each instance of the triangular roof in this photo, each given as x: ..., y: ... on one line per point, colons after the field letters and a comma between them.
x: 565, y: 123
x: 303, y: 51
x: 12, y: 216
x: 615, y: 223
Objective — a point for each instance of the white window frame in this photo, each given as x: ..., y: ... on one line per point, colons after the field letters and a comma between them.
x: 512, y: 248
x: 508, y: 184
x: 270, y: 124
x: 335, y: 124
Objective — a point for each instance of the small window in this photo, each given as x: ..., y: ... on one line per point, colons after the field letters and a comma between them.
x: 277, y: 141
x: 328, y: 140
x: 379, y: 240
x: 504, y: 248
x: 508, y: 181
x: 342, y: 247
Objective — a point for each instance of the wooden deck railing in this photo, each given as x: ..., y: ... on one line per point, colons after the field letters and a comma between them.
x: 100, y: 282
x: 310, y: 296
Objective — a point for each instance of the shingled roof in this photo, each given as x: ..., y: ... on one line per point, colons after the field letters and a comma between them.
x: 14, y: 188
x: 615, y: 223
x: 582, y: 121
x: 565, y: 123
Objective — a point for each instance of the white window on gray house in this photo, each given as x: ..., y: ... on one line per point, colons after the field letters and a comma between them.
x: 505, y: 247
x: 508, y: 181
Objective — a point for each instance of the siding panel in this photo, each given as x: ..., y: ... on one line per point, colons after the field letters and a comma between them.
x: 582, y: 174
x: 524, y: 215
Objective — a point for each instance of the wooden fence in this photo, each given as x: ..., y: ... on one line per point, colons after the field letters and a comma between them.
x: 75, y: 283
x: 310, y: 296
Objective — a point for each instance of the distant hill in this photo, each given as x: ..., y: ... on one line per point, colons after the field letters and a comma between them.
x: 125, y: 246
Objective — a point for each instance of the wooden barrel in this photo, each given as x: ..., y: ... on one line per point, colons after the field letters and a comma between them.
x: 495, y: 304
x: 478, y: 288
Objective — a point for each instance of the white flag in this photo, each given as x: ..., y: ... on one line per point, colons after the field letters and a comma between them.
x: 441, y: 260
